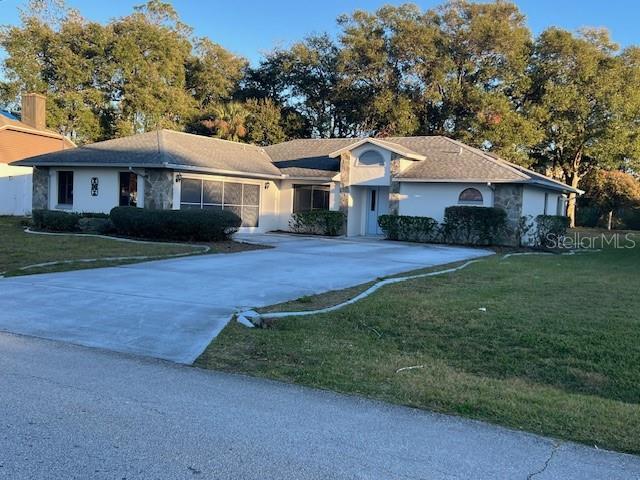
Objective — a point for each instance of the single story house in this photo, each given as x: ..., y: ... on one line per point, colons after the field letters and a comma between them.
x: 22, y: 137
x: 362, y: 177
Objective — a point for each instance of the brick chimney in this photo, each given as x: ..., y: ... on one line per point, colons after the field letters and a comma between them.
x: 34, y: 110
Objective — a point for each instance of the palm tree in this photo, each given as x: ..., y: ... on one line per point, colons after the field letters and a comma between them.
x: 228, y: 121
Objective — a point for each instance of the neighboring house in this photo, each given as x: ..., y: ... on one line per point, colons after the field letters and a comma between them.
x: 22, y: 138
x: 364, y: 178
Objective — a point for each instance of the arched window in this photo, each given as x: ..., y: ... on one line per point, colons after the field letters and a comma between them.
x: 470, y: 196
x: 371, y: 158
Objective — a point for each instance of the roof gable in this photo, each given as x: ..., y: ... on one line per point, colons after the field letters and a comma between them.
x: 391, y: 146
x: 9, y: 121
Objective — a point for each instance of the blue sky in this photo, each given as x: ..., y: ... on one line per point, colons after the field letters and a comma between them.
x: 250, y: 27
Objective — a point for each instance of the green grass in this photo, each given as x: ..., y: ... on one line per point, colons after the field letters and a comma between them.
x: 557, y: 351
x: 19, y: 249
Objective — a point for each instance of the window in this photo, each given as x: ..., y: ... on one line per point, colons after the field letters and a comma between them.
x: 371, y: 158
x: 65, y: 188
x: 243, y: 199
x: 128, y: 189
x: 470, y: 196
x: 310, y: 197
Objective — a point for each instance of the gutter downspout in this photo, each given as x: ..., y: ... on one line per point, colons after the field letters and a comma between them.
x: 493, y: 193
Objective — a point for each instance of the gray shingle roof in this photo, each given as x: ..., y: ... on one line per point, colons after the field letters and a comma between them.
x: 446, y: 160
x: 308, y: 157
x: 165, y: 148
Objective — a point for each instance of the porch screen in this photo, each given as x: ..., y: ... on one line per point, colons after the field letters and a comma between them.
x: 310, y: 197
x: 243, y: 199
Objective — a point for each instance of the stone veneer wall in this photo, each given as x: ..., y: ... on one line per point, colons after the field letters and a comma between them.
x: 509, y: 198
x: 394, y: 188
x: 158, y: 189
x: 40, y: 191
x: 345, y: 169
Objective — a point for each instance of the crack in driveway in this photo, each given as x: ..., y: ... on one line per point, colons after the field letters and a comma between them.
x: 554, y: 449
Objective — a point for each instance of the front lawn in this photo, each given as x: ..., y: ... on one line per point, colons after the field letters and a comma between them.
x: 19, y: 249
x: 556, y: 352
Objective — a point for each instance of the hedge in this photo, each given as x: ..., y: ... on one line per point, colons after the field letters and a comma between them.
x: 317, y: 222
x: 55, y: 221
x: 474, y: 225
x: 408, y: 228
x: 550, y: 228
x: 188, y: 225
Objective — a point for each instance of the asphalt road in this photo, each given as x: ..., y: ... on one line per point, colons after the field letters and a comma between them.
x: 69, y: 412
x: 172, y: 309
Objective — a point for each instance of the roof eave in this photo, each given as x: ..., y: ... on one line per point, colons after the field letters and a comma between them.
x: 386, y: 145
x: 561, y: 187
x: 29, y: 163
x: 456, y: 180
x: 165, y: 165
x: 42, y: 133
x: 315, y: 179
x: 218, y: 171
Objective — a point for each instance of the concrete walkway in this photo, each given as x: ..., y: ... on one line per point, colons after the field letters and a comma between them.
x: 74, y: 413
x: 172, y: 309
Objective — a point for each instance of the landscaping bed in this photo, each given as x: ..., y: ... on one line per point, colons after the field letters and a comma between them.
x: 544, y: 343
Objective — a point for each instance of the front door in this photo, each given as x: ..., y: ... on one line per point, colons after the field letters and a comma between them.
x: 377, y: 204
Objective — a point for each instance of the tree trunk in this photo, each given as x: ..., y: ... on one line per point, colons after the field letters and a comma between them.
x: 571, y: 206
x: 574, y: 177
x: 610, y: 220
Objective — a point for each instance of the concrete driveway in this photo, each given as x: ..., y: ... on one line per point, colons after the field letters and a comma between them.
x: 172, y: 309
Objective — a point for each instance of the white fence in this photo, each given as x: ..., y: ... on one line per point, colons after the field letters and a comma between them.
x: 15, y: 190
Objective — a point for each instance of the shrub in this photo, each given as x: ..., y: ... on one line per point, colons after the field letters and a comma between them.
x: 587, y: 216
x: 187, y: 225
x: 630, y: 218
x: 408, y: 228
x: 95, y: 224
x: 94, y: 215
x: 522, y: 229
x: 55, y: 221
x: 549, y: 228
x: 474, y: 225
x: 318, y: 222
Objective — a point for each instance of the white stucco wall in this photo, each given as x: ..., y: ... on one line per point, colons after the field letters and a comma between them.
x: 370, y: 174
x: 355, y: 214
x: 15, y: 190
x: 430, y: 199
x: 108, y: 189
x: 533, y: 202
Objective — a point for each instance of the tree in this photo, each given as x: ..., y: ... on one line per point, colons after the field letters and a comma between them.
x: 58, y: 53
x: 134, y: 74
x: 225, y: 121
x: 213, y: 73
x: 149, y: 53
x: 610, y: 190
x: 263, y: 122
x: 582, y: 99
x: 373, y: 66
x: 458, y: 70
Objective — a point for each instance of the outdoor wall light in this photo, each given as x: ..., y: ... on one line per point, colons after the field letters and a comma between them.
x: 178, y: 178
x: 266, y: 185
